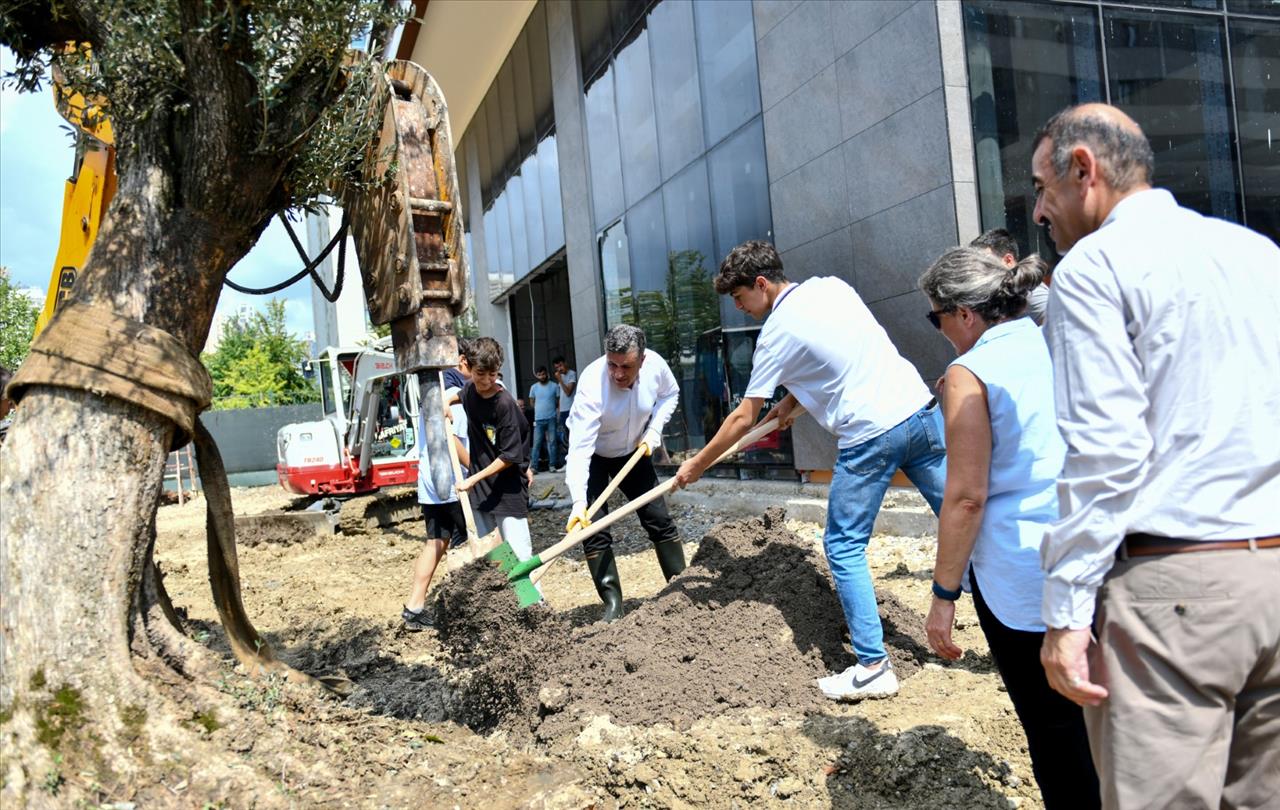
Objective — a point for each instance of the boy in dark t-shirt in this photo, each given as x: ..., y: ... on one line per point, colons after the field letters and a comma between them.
x: 499, y: 437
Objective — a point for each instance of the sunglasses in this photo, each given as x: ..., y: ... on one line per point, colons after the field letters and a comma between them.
x: 933, y: 314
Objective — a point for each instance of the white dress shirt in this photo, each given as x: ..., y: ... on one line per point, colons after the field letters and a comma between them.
x: 824, y: 346
x: 1164, y: 327
x: 610, y: 421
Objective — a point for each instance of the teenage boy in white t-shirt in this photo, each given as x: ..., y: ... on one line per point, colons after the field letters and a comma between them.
x: 822, y: 344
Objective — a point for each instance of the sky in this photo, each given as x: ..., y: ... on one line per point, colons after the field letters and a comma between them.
x: 36, y: 157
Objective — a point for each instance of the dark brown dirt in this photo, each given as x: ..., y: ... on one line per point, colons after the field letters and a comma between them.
x: 752, y: 622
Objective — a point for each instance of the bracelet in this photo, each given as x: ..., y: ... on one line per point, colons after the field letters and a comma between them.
x: 943, y: 593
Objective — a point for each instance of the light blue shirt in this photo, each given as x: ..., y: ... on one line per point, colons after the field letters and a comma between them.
x: 426, y: 487
x: 545, y: 396
x: 1012, y: 361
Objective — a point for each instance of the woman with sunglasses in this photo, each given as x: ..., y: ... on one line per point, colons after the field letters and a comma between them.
x: 1004, y: 454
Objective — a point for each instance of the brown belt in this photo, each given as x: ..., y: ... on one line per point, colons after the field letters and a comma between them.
x: 1144, y: 545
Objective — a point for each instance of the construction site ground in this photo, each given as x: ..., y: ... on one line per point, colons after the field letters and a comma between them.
x: 702, y: 696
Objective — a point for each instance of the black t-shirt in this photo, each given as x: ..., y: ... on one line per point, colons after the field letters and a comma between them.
x: 497, y: 429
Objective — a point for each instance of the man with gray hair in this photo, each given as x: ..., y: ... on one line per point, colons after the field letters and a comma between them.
x: 1166, y: 353
x: 622, y: 402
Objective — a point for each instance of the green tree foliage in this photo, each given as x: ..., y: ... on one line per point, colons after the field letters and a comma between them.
x: 17, y: 322
x: 259, y: 362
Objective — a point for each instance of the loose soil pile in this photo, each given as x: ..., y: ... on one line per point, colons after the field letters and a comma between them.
x: 752, y: 622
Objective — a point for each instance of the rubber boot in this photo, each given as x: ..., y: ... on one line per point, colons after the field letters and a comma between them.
x: 604, y: 573
x: 670, y: 557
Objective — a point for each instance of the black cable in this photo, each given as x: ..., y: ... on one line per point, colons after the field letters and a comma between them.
x: 339, y: 240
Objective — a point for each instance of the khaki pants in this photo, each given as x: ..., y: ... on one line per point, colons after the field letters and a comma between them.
x: 1188, y: 649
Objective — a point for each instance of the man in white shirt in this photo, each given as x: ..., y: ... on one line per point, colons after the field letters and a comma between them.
x: 822, y: 343
x: 1165, y: 338
x: 622, y: 402
x: 567, y: 379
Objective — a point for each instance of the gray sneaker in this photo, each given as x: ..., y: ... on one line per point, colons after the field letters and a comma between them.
x: 415, y: 620
x: 858, y: 683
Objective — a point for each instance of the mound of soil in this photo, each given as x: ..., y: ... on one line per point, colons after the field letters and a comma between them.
x: 752, y: 622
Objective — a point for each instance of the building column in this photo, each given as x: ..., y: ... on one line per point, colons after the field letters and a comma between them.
x: 955, y: 83
x: 586, y: 294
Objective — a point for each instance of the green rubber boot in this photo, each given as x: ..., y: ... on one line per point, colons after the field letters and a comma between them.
x: 670, y: 557
x: 604, y: 573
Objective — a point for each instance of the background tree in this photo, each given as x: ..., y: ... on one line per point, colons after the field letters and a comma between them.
x: 17, y: 322
x: 259, y: 362
x: 224, y: 114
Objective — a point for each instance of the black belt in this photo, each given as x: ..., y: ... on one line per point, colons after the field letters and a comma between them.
x: 1146, y: 545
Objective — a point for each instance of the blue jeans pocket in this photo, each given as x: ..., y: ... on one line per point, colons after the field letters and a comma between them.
x: 934, y: 429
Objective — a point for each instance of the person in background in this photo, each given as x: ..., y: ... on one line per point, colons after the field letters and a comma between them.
x: 1003, y: 459
x: 567, y: 379
x: 1165, y: 342
x: 545, y: 396
x: 498, y: 443
x: 1001, y: 244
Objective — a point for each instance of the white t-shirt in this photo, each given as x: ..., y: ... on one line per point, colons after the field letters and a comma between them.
x: 566, y: 400
x: 823, y: 345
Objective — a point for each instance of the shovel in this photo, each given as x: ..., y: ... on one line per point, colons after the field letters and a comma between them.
x: 520, y: 572
x: 599, y: 502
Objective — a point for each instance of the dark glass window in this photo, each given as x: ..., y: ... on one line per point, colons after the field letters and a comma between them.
x: 739, y: 199
x: 507, y: 113
x: 615, y: 265
x: 1199, y: 5
x: 1267, y: 7
x: 1169, y: 72
x: 727, y: 63
x: 522, y: 85
x: 595, y: 38
x: 637, y: 132
x: 552, y: 207
x: 647, y: 235
x: 1255, y: 62
x: 602, y: 147
x: 540, y: 68
x: 675, y: 81
x: 1026, y: 62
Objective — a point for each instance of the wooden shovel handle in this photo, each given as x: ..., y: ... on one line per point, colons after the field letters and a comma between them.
x: 576, y: 537
x: 613, y: 485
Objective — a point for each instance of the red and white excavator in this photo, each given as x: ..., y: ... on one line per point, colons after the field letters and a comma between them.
x: 368, y: 438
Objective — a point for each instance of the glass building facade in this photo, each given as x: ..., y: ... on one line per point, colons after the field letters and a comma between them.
x: 677, y: 175
x: 1202, y: 78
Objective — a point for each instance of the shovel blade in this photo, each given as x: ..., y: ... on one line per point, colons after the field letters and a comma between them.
x: 476, y: 548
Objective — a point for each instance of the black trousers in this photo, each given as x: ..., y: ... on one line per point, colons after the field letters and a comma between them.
x: 1056, y: 736
x: 654, y: 516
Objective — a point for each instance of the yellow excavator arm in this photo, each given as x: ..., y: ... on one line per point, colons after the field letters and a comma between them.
x: 84, y: 198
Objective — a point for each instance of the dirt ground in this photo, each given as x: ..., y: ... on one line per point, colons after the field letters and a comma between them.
x: 701, y: 696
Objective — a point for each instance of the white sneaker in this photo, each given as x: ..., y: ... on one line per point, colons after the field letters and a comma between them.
x: 857, y: 682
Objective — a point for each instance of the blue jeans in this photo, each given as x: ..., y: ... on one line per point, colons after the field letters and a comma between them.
x: 858, y: 486
x: 562, y: 436
x: 544, y: 437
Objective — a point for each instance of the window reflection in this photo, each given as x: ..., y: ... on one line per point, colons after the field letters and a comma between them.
x: 1255, y: 61
x: 552, y: 209
x: 1026, y: 62
x: 615, y: 266
x: 727, y: 61
x: 1169, y: 73
x: 602, y: 143
x: 637, y: 132
x: 675, y: 81
x: 739, y: 199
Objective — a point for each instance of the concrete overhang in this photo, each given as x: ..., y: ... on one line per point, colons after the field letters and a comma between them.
x: 463, y: 43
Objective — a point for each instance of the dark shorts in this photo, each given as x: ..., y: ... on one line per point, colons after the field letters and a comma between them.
x: 445, y: 520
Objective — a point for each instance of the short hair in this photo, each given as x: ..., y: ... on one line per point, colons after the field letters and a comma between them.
x: 972, y: 277
x: 559, y: 358
x: 464, y: 348
x: 541, y: 370
x: 624, y: 339
x: 485, y: 354
x: 1124, y: 156
x: 998, y: 241
x: 745, y: 262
